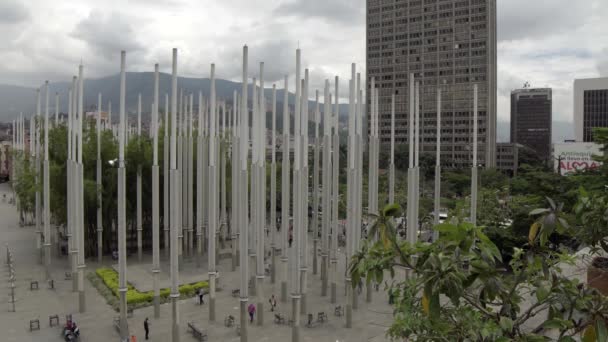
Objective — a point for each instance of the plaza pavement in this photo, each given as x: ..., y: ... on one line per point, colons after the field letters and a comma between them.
x: 370, y: 321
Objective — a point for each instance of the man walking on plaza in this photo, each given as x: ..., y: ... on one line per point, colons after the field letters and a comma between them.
x: 146, y: 327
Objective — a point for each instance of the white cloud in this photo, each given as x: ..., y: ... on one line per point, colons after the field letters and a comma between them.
x: 544, y: 42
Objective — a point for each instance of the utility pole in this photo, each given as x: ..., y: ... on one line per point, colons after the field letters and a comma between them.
x: 155, y: 198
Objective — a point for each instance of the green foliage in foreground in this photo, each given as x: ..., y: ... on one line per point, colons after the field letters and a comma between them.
x: 458, y: 289
x: 134, y: 297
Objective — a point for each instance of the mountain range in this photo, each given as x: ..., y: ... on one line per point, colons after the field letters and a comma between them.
x: 17, y: 99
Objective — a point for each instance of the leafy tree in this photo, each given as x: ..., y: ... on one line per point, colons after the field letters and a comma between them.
x: 457, y: 291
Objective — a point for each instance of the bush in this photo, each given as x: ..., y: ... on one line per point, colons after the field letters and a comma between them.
x: 136, y: 298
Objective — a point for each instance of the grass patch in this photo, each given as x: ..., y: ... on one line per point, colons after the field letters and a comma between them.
x: 105, y: 281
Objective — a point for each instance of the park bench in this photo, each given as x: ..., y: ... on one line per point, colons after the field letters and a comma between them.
x: 339, y: 311
x: 321, y: 317
x: 197, y: 332
x: 236, y: 293
x: 279, y: 318
x: 229, y: 321
x: 34, y: 324
x: 53, y: 320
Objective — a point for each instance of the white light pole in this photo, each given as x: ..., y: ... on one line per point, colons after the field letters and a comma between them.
x: 285, y: 190
x: 437, y: 195
x: 474, y: 167
x: 391, y: 177
x: 155, y: 198
x: 243, y: 201
x: 315, y: 193
x: 47, y: 196
x: 335, y: 194
x: 213, y: 194
x: 327, y: 186
x: 99, y: 185
x: 166, y: 204
x: 138, y: 204
x: 235, y: 173
x: 273, y: 188
x: 122, y: 199
x: 351, y: 194
x: 175, y: 205
x: 199, y: 183
x: 80, y: 187
x: 294, y: 255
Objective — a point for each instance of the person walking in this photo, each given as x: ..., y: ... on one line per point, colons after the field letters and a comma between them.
x: 251, y: 310
x: 147, y: 327
x: 273, y: 303
x: 201, y: 294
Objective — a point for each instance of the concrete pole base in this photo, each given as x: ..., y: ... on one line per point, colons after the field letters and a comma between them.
x: 273, y: 267
x: 99, y: 246
x: 244, y: 319
x: 124, y: 324
x: 314, y: 258
x: 156, y: 306
x: 211, y: 309
x: 174, y: 320
x: 295, y: 328
x: 349, y: 299
x: 303, y: 306
x: 260, y: 312
x: 234, y: 263
x: 283, y: 291
x: 139, y: 245
x: 368, y: 296
x: 324, y: 278
x: 253, y: 289
x: 180, y: 262
x: 334, y: 290
x: 81, y: 302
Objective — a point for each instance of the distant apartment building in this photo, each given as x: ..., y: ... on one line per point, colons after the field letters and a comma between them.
x: 590, y: 107
x: 448, y: 45
x: 531, y: 118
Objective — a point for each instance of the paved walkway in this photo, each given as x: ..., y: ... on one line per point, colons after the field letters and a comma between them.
x: 370, y: 321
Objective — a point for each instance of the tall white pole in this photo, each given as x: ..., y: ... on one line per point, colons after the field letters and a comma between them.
x: 391, y: 181
x: 244, y: 200
x: 166, y: 205
x: 81, y: 231
x: 139, y: 223
x: 273, y: 188
x: 351, y: 194
x: 335, y: 231
x: 260, y: 127
x: 47, y: 196
x: 235, y: 173
x: 213, y: 194
x: 315, y: 192
x: 303, y: 237
x: 285, y: 190
x: 175, y: 206
x: 155, y: 198
x: 358, y: 174
x: 35, y: 146
x: 122, y: 199
x: 199, y: 183
x: 437, y: 194
x: 294, y: 257
x: 474, y: 167
x: 411, y: 229
x: 326, y: 182
x: 252, y: 232
x: 99, y: 185
x: 190, y: 164
x: 416, y: 191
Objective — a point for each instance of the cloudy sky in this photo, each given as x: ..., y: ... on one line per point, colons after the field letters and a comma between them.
x: 544, y: 42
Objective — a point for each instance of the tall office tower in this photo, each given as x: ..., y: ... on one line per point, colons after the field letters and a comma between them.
x: 531, y: 120
x: 590, y: 107
x: 447, y: 44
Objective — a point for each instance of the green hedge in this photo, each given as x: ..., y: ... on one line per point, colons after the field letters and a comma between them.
x: 134, y: 297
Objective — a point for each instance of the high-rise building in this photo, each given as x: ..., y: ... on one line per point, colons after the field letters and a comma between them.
x: 531, y: 120
x: 447, y: 44
x: 590, y: 107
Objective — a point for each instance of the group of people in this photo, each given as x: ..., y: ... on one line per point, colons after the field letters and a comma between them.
x: 200, y: 294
